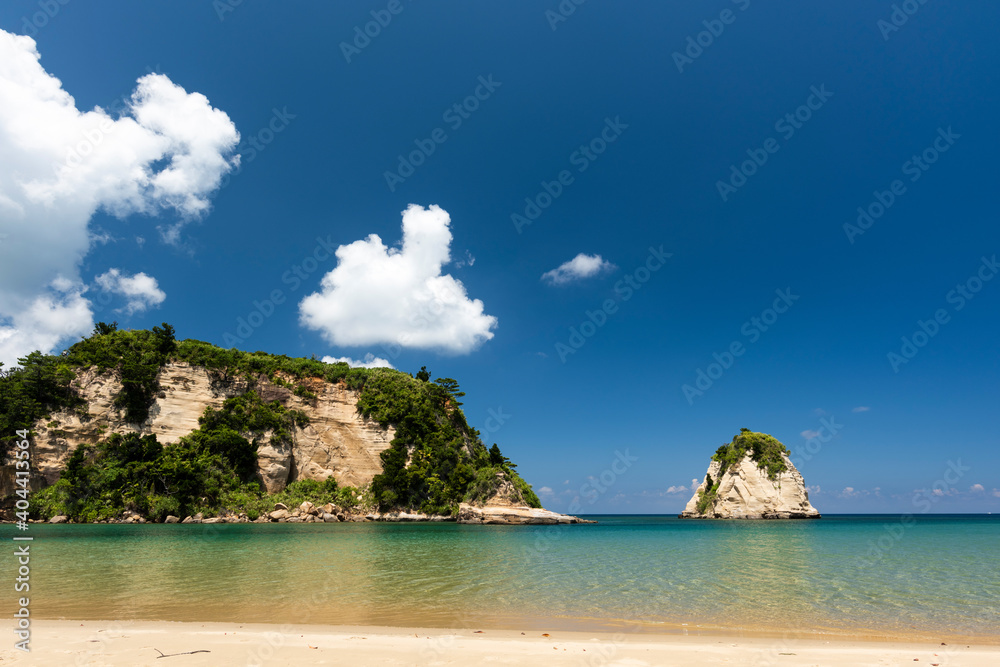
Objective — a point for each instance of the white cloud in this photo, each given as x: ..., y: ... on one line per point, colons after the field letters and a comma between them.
x: 397, y: 296
x: 976, y: 488
x: 677, y: 489
x: 545, y: 491
x: 809, y: 435
x: 167, y: 151
x: 580, y: 267
x: 861, y: 408
x: 140, y: 290
x: 814, y: 489
x: 995, y: 493
x: 370, y: 361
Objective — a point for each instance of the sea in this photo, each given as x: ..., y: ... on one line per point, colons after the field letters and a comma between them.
x: 873, y: 576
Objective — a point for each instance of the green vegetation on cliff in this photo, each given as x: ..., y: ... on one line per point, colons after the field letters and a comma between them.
x: 764, y: 450
x: 435, y: 461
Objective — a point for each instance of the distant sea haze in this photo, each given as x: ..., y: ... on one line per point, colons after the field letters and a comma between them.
x: 934, y: 577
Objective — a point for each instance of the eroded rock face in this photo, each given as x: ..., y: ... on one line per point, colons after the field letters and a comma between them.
x: 337, y: 441
x: 745, y: 492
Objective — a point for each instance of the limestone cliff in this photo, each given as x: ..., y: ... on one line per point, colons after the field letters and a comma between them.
x: 745, y: 491
x: 337, y: 441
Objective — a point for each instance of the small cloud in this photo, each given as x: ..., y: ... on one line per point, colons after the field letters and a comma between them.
x: 546, y: 491
x: 995, y: 493
x: 542, y: 355
x: 677, y: 489
x: 861, y: 408
x: 468, y: 261
x: 566, y: 482
x: 370, y: 361
x: 580, y: 267
x: 398, y: 295
x: 809, y: 435
x: 976, y: 488
x: 140, y: 241
x: 140, y: 290
x: 937, y: 492
x: 815, y: 489
x: 694, y: 484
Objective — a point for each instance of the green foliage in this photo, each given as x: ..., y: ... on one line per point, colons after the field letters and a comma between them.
x: 136, y: 356
x: 40, y: 385
x: 764, y: 450
x: 255, y: 503
x: 706, y: 496
x: 432, y: 465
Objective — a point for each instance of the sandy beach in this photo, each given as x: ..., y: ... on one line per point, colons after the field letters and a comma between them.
x: 61, y: 643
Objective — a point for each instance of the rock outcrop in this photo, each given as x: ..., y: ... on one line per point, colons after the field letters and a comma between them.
x: 337, y: 441
x: 746, y: 492
x: 511, y: 516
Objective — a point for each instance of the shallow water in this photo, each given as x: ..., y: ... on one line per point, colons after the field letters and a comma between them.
x: 871, y: 575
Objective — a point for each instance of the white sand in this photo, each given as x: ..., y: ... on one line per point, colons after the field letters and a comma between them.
x: 66, y: 643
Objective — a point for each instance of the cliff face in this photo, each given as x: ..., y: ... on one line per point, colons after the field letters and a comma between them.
x: 745, y: 492
x: 337, y: 441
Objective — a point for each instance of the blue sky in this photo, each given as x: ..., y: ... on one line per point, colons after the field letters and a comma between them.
x: 829, y: 105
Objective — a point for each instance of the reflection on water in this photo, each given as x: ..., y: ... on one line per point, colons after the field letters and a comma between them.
x: 941, y: 576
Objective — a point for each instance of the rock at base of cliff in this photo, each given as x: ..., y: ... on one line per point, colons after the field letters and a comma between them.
x: 171, y: 519
x: 513, y: 516
x: 59, y: 519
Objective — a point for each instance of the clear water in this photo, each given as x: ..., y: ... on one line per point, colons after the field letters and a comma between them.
x: 869, y: 575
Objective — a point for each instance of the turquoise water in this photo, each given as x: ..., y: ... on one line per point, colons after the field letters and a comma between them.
x: 873, y: 575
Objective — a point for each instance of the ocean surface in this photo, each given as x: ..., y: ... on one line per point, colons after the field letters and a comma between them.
x: 935, y: 576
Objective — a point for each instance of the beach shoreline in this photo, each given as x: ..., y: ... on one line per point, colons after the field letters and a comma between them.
x: 64, y: 642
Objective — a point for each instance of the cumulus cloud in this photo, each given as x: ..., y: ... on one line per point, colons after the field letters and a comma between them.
x: 995, y: 493
x: 546, y: 491
x: 580, y: 267
x: 167, y: 151
x: 813, y: 489
x: 398, y: 296
x: 140, y: 290
x: 861, y: 408
x: 976, y: 488
x: 809, y: 435
x: 370, y: 361
x: 677, y: 489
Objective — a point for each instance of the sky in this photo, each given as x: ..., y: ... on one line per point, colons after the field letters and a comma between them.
x: 627, y: 229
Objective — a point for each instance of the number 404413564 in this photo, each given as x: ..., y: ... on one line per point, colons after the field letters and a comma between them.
x: 22, y: 455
